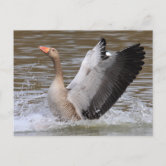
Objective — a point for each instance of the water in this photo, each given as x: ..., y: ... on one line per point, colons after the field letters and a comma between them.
x: 33, y: 74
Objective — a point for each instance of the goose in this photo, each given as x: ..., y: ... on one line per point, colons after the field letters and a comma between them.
x: 101, y: 80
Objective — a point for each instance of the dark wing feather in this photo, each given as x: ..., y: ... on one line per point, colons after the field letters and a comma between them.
x: 116, y: 78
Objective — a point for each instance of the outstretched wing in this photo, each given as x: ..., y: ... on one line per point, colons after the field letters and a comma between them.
x: 106, y: 82
x: 92, y: 58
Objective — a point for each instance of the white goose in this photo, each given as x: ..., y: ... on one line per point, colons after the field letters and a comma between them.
x: 101, y: 80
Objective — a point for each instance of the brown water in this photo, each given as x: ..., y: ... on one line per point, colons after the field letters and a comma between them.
x: 33, y: 74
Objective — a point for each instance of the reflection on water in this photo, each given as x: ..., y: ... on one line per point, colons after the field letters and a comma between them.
x: 33, y: 73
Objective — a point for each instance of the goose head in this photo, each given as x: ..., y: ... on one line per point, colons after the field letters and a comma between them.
x: 51, y: 52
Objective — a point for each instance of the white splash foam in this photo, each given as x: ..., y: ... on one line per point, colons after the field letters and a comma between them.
x: 38, y: 117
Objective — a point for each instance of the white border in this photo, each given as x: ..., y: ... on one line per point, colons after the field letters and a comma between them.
x: 89, y: 15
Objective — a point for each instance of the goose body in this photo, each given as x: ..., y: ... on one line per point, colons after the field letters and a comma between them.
x: 59, y: 105
x: 102, y: 79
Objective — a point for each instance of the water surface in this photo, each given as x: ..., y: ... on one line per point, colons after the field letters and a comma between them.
x: 33, y: 74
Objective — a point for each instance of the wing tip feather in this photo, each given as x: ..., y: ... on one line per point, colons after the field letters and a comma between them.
x: 103, y: 41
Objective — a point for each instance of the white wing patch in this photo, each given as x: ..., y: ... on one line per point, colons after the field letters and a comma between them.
x: 108, y: 53
x: 92, y: 59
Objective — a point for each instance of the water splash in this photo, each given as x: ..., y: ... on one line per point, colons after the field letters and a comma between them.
x: 35, y: 116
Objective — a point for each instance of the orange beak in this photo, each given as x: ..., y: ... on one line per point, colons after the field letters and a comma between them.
x: 44, y: 49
